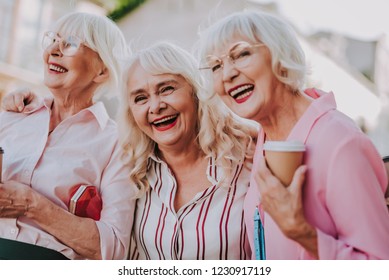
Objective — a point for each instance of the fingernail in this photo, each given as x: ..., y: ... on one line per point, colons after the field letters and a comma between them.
x: 20, y: 108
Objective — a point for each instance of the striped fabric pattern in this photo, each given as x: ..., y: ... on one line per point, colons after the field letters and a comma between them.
x: 210, y: 226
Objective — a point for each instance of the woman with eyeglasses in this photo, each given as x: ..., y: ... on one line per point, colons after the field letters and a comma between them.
x: 334, y: 208
x: 67, y: 142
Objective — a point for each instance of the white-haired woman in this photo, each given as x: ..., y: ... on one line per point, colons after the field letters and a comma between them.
x: 188, y: 156
x: 68, y: 140
x: 257, y: 67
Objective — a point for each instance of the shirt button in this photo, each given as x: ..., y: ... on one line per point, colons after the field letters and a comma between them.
x: 13, y: 231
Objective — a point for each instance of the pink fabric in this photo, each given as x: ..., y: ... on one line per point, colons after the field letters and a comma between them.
x: 343, y: 191
x: 82, y: 149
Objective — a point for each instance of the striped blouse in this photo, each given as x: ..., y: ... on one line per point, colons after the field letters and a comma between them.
x: 210, y: 226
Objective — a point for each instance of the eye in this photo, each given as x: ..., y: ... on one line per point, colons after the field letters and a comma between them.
x: 71, y: 42
x: 167, y: 90
x: 240, y: 53
x: 140, y: 99
x: 216, y: 66
x: 214, y: 63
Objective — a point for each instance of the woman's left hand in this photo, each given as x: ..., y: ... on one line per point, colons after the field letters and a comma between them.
x: 15, y: 199
x: 285, y: 205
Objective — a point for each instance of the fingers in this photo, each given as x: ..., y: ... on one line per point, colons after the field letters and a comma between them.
x: 9, y: 103
x: 267, y: 183
x: 19, y: 100
x: 298, y: 178
x: 31, y: 102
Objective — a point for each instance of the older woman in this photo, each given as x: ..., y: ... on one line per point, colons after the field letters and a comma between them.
x: 257, y: 68
x: 187, y: 155
x: 67, y: 141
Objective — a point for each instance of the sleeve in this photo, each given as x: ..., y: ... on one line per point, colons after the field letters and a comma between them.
x: 355, y: 199
x: 117, y: 215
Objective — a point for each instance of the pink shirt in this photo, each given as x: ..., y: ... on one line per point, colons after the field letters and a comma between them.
x: 82, y: 149
x: 343, y: 191
x: 210, y: 226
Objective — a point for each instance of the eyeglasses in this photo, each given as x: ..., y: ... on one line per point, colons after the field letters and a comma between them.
x: 68, y: 45
x: 239, y: 55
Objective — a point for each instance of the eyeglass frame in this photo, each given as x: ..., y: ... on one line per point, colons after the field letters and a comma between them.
x: 231, y: 60
x: 60, y: 41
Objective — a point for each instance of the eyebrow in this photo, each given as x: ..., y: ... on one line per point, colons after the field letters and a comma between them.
x: 160, y: 84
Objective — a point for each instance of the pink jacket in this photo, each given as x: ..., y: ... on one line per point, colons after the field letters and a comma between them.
x: 343, y: 191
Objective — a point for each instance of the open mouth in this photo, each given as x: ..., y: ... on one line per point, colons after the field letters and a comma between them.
x: 241, y: 93
x: 165, y: 122
x: 57, y: 68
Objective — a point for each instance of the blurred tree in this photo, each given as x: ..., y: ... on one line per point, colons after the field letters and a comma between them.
x: 118, y: 8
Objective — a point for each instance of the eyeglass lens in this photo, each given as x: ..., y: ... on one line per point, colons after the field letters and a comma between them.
x: 68, y: 45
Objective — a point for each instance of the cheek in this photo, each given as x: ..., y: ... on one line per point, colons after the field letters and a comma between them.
x: 140, y: 116
x: 218, y: 87
x: 45, y: 56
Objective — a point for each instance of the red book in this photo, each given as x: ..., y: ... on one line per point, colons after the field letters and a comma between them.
x: 85, y: 201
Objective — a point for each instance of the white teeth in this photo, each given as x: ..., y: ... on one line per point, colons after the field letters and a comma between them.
x: 57, y: 68
x: 164, y: 119
x: 243, y: 95
x: 240, y: 89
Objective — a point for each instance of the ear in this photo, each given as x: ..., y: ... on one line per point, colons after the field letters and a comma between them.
x: 102, y: 76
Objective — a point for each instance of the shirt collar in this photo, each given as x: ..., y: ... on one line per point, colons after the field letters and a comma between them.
x: 100, y: 113
x: 98, y: 110
x: 323, y: 102
x: 212, y: 170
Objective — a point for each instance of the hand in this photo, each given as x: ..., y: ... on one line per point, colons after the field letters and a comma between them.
x: 22, y: 100
x: 283, y: 203
x: 15, y: 199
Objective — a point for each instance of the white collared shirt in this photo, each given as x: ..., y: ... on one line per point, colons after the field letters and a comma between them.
x: 82, y: 149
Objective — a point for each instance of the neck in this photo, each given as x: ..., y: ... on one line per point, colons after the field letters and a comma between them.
x: 63, y: 108
x: 284, y: 115
x: 179, y: 158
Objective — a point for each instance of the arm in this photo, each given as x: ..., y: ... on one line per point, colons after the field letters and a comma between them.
x: 104, y: 239
x: 80, y: 234
x: 356, y: 182
x: 117, y: 217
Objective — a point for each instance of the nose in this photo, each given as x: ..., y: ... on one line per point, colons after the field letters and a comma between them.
x: 156, y: 105
x: 229, y: 71
x: 54, y: 49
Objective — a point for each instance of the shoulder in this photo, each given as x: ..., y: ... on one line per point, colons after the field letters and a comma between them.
x: 336, y: 127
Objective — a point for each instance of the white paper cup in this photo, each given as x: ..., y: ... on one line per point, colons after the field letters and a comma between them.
x: 283, y: 158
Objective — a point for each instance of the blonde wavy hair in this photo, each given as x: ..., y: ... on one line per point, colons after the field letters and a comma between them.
x: 221, y: 134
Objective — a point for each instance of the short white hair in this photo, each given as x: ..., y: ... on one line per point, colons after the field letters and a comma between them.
x: 101, y: 35
x: 288, y: 58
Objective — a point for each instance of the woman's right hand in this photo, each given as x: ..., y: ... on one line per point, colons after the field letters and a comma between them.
x: 20, y: 100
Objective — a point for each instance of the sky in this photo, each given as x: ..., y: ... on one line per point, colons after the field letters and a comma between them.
x: 361, y: 19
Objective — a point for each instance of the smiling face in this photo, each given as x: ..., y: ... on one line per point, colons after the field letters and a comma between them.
x: 163, y: 107
x: 79, y: 74
x: 248, y: 88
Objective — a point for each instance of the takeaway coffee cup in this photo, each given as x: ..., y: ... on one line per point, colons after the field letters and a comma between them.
x: 283, y: 158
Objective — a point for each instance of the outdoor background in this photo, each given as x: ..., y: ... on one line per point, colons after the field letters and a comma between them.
x: 346, y: 43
